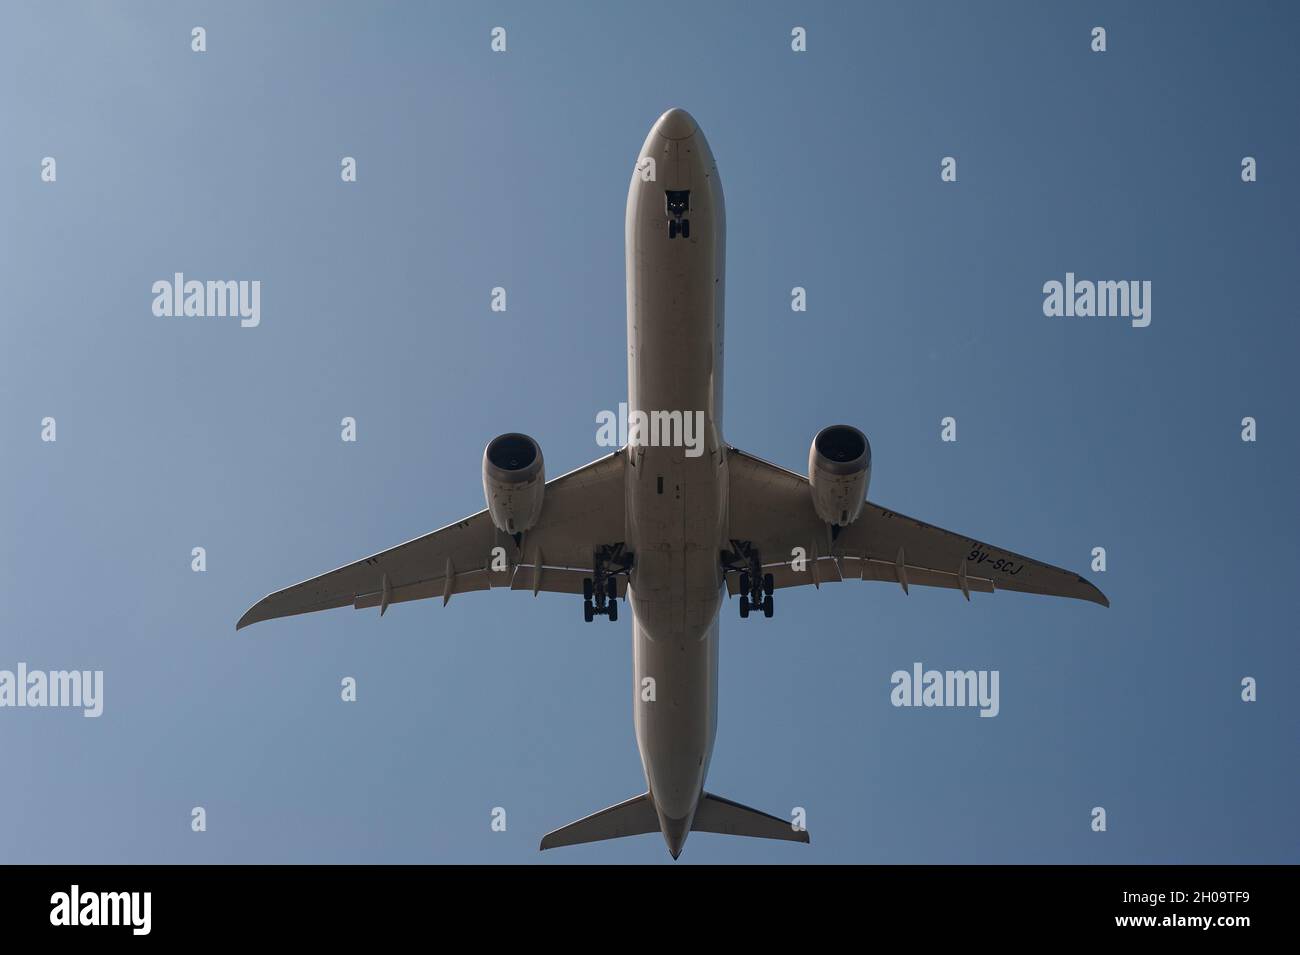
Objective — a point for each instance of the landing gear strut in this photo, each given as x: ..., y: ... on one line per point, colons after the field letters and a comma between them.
x: 677, y: 204
x: 756, y: 587
x: 600, y: 591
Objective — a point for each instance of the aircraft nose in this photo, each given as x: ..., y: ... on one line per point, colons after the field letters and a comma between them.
x: 676, y: 124
x: 675, y: 832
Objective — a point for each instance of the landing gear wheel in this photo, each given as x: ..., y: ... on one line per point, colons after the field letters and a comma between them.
x: 588, y: 611
x: 744, y: 608
x: 744, y: 581
x: 587, y: 589
x: 769, y: 585
x: 767, y: 606
x: 611, y: 588
x: 613, y: 611
x: 686, y: 228
x: 672, y: 228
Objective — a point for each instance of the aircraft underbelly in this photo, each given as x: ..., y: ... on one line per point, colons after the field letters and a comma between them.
x: 676, y: 491
x: 675, y: 731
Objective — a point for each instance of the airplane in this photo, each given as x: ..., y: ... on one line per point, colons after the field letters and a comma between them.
x: 669, y: 532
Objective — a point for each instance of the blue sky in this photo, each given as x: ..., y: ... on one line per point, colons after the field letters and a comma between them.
x: 478, y: 170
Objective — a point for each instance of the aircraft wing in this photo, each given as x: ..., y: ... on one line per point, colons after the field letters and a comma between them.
x: 581, y: 511
x: 772, y: 510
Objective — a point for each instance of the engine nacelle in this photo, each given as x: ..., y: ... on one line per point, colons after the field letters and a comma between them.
x: 839, y: 470
x: 513, y: 482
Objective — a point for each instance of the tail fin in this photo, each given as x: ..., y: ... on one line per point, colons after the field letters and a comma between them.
x: 632, y: 817
x: 716, y: 814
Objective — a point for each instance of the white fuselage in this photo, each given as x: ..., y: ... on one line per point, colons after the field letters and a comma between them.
x: 676, y: 502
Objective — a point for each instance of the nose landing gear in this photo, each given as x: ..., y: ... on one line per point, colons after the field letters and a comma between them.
x: 677, y: 204
x: 756, y: 587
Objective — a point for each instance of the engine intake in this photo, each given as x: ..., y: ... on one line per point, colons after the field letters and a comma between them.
x: 514, y: 480
x: 839, y: 470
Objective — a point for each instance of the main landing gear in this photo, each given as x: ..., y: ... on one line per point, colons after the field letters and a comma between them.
x: 756, y: 587
x: 600, y: 591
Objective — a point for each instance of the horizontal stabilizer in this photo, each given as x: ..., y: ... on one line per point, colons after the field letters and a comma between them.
x: 716, y: 814
x: 634, y: 817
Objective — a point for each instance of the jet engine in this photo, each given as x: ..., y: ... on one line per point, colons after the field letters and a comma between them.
x: 513, y: 482
x: 839, y: 470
